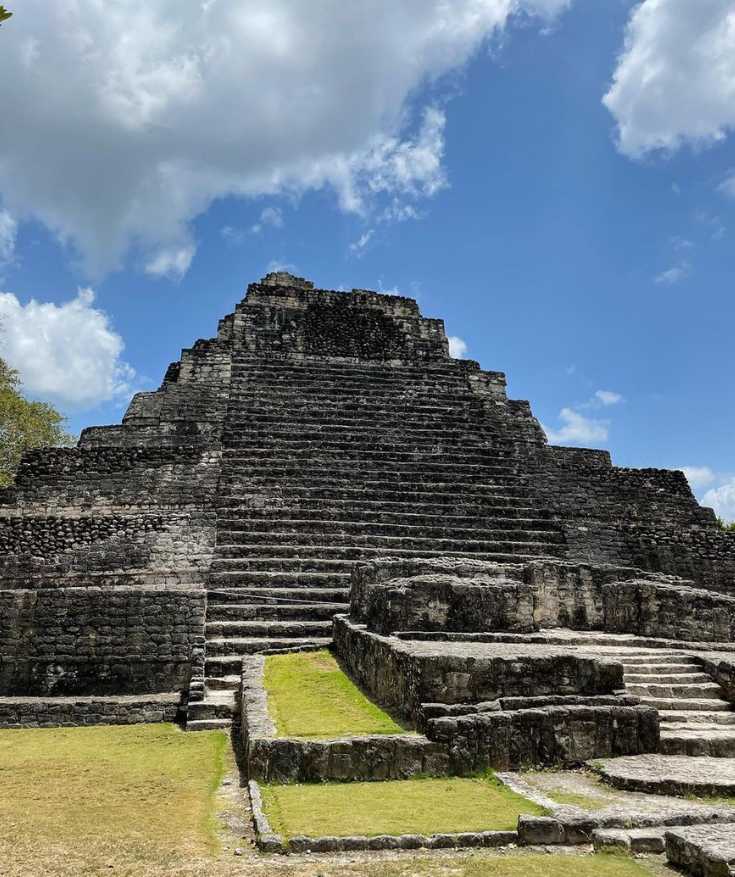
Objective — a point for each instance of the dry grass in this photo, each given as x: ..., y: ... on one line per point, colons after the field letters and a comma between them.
x: 310, y: 696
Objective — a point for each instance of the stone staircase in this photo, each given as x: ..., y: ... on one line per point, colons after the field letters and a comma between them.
x: 696, y: 718
x: 328, y: 463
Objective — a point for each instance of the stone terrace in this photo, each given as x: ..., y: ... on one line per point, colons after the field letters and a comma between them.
x: 316, y: 431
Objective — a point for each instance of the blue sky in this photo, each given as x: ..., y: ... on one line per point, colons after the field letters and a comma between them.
x: 554, y: 178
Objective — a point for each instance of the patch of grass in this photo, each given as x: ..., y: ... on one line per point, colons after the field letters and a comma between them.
x: 416, y: 806
x: 144, y: 786
x: 309, y: 695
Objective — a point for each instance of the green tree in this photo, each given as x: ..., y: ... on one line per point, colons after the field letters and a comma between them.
x: 24, y: 425
x: 725, y: 526
x: 4, y: 14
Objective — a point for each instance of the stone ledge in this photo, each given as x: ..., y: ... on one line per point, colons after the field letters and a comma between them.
x: 49, y: 712
x: 669, y: 774
x: 704, y: 851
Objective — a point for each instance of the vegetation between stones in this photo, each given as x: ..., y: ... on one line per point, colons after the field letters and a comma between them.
x: 310, y: 696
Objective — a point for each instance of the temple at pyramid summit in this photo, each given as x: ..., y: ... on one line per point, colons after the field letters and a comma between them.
x: 322, y: 474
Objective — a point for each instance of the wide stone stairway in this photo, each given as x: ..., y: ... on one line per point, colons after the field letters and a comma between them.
x: 329, y: 463
x: 696, y: 718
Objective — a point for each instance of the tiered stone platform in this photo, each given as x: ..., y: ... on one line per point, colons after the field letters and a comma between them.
x: 316, y: 433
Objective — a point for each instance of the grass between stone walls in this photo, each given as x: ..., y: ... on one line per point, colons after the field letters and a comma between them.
x: 310, y: 696
x: 414, y: 806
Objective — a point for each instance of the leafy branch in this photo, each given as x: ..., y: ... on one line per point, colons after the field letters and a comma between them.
x: 4, y: 14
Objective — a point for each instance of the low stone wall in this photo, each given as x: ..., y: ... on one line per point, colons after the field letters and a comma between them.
x: 564, y: 736
x: 649, y: 608
x: 465, y: 595
x: 437, y: 602
x: 34, y: 712
x: 98, y: 641
x: 294, y: 760
x: 722, y: 671
x: 402, y: 675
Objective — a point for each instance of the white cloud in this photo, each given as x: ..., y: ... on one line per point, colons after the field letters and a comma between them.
x: 576, y: 429
x: 270, y: 216
x: 675, y: 78
x: 722, y: 500
x: 281, y: 265
x: 727, y: 186
x: 123, y: 121
x: 68, y: 353
x: 359, y: 245
x: 608, y: 397
x: 171, y: 262
x: 457, y: 347
x: 698, y: 476
x: 673, y: 275
x: 8, y: 233
x: 233, y: 235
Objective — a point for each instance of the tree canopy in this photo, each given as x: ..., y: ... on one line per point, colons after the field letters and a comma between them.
x: 24, y: 424
x: 4, y: 14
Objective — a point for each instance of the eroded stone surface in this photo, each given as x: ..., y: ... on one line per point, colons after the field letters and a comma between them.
x: 669, y: 774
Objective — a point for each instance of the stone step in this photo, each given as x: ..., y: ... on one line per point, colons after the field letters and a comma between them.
x: 715, y: 742
x: 274, y: 596
x: 216, y: 705
x: 413, y: 537
x: 253, y: 416
x: 693, y: 717
x: 369, y: 470
x: 307, y: 559
x: 223, y: 683
x: 630, y: 840
x: 271, y: 628
x: 663, y: 659
x: 245, y: 525
x: 271, y: 579
x: 283, y: 611
x: 675, y: 690
x: 228, y: 664
x: 353, y: 545
x: 361, y: 520
x: 490, y: 456
x: 209, y: 725
x: 280, y: 399
x: 647, y: 670
x: 356, y: 440
x: 698, y: 704
x: 437, y: 491
x: 326, y: 443
x: 361, y: 508
x: 661, y: 678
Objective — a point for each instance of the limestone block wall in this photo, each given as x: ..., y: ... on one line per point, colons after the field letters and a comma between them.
x: 559, y: 736
x: 648, y: 608
x: 98, y: 641
x: 645, y: 518
x: 402, y: 676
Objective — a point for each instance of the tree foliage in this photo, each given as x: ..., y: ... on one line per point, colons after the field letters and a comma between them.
x: 730, y: 528
x: 4, y: 14
x: 24, y: 424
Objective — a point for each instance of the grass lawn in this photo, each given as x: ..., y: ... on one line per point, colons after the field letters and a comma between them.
x: 418, y: 806
x: 310, y: 696
x: 144, y: 789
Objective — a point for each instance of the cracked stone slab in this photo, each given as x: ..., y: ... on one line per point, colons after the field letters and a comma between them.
x: 669, y: 774
x: 702, y: 850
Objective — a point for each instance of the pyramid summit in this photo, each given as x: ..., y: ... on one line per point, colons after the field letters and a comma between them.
x: 317, y: 434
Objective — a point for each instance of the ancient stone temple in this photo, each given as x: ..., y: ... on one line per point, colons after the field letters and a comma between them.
x: 320, y: 438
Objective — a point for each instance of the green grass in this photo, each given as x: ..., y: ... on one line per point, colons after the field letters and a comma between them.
x: 122, y: 786
x: 310, y: 696
x: 417, y: 806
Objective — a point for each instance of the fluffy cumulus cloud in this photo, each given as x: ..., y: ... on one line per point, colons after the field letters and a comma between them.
x: 722, y: 500
x: 160, y: 107
x: 675, y: 78
x: 67, y: 353
x: 698, y: 476
x: 457, y: 347
x: 579, y: 428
